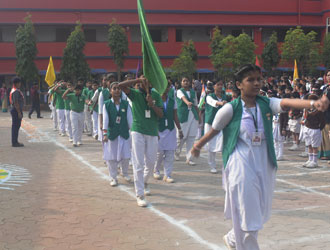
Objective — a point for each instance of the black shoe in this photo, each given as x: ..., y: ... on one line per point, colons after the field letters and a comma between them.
x: 40, y: 117
x: 29, y: 116
x: 16, y: 145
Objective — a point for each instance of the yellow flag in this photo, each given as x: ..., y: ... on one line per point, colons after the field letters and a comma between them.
x: 295, y: 73
x: 50, y: 74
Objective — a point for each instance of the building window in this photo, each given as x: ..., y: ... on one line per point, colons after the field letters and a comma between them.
x: 0, y: 35
x: 62, y: 34
x: 158, y: 34
x: 196, y: 34
x: 90, y: 35
x: 178, y: 35
x: 8, y: 33
x: 45, y: 33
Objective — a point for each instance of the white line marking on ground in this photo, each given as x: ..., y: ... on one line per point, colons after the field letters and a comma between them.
x: 302, y: 174
x: 277, y: 211
x: 7, y: 188
x: 165, y: 216
x: 317, y: 187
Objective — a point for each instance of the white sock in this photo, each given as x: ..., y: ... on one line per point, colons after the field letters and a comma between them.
x: 315, y: 157
x: 310, y: 156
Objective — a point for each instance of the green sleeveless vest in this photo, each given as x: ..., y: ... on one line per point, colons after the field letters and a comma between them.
x: 115, y: 129
x: 183, y: 111
x: 90, y: 96
x: 168, y: 113
x: 232, y: 130
x: 210, y: 111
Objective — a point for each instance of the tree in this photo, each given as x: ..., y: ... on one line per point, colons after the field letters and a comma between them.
x: 233, y: 52
x: 326, y: 51
x: 118, y: 43
x: 26, y: 51
x: 216, y: 47
x: 270, y: 55
x: 185, y: 65
x: 301, y: 47
x: 74, y: 64
x: 189, y: 48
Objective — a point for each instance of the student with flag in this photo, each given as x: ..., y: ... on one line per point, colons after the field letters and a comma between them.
x: 147, y: 108
x: 67, y: 107
x: 188, y: 117
x: 214, y: 102
x: 88, y: 127
x: 16, y: 99
x: 167, y: 135
x: 248, y: 155
x: 57, y: 93
x: 77, y: 104
x: 117, y: 120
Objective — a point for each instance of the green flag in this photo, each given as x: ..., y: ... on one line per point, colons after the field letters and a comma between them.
x: 152, y: 67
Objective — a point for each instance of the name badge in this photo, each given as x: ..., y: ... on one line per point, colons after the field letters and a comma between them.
x: 118, y: 119
x: 148, y: 114
x: 166, y: 123
x: 256, y: 138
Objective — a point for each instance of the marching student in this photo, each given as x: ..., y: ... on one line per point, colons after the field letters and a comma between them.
x: 167, y: 135
x: 117, y: 120
x: 52, y: 106
x: 188, y: 117
x: 248, y: 156
x: 147, y: 108
x: 67, y: 107
x: 77, y: 103
x: 214, y: 102
x: 88, y: 118
x: 57, y: 92
x: 93, y: 108
x: 314, y: 124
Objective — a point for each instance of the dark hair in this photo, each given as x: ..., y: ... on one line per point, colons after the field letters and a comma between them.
x: 78, y: 87
x: 286, y: 96
x: 112, y: 84
x: 313, y: 97
x: 295, y: 95
x: 289, y: 88
x: 95, y: 82
x: 244, y: 70
x: 16, y: 80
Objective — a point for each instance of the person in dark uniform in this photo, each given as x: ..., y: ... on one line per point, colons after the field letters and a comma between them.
x: 35, y: 100
x: 16, y: 99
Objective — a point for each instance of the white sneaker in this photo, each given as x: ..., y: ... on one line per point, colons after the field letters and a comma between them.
x: 141, y: 201
x: 79, y: 143
x: 95, y: 137
x: 280, y: 158
x: 70, y: 140
x: 312, y: 164
x: 61, y: 134
x: 127, y: 178
x: 113, y: 182
x: 177, y: 156
x: 303, y: 154
x: 146, y: 190
x: 213, y: 171
x: 191, y: 163
x: 306, y: 163
x: 168, y: 179
x: 294, y: 147
x: 157, y: 176
x: 230, y: 247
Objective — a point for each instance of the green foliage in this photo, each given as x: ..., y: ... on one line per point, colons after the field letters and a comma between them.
x: 189, y: 48
x: 302, y: 47
x: 118, y: 43
x: 185, y: 64
x: 270, y: 54
x: 74, y: 64
x: 326, y: 51
x: 216, y: 47
x: 26, y: 51
x: 232, y: 52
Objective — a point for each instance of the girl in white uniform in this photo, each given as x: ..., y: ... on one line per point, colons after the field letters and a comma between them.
x: 188, y: 117
x: 117, y: 119
x: 248, y: 156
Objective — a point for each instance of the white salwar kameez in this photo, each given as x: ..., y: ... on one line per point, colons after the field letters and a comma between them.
x: 215, y: 144
x: 189, y: 128
x: 248, y: 179
x: 166, y: 148
x: 118, y: 150
x: 277, y: 136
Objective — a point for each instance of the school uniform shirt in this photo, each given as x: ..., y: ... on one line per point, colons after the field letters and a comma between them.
x: 249, y: 174
x: 59, y: 99
x: 77, y: 103
x: 90, y: 95
x: 167, y: 134
x: 119, y: 148
x: 142, y: 124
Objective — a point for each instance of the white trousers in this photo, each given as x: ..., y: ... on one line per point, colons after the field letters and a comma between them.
x: 87, y: 120
x: 61, y: 120
x: 168, y: 157
x: 144, y: 155
x: 113, y: 168
x: 54, y: 117
x: 278, y: 145
x: 95, y: 119
x: 189, y: 144
x: 211, y: 159
x: 68, y: 126
x: 77, y: 121
x: 243, y: 240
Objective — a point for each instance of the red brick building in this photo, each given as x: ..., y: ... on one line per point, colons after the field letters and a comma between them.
x: 171, y: 23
